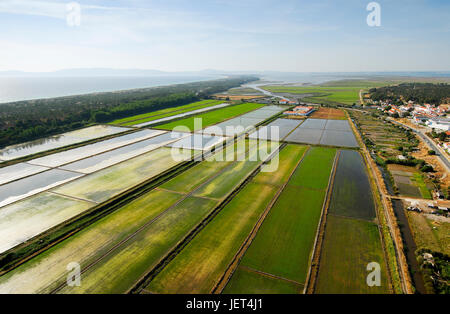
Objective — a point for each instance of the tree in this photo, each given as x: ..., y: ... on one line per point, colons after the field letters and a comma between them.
x: 442, y: 136
x: 427, y: 168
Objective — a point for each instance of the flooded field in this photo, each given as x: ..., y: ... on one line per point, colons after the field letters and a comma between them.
x: 314, y: 124
x: 305, y: 136
x: 106, y: 183
x: 20, y: 189
x: 199, y: 142
x: 116, y: 156
x: 62, y: 158
x: 338, y: 125
x: 243, y: 122
x: 18, y: 171
x: 352, y: 196
x: 232, y: 127
x: 56, y: 141
x: 338, y: 138
x: 352, y: 239
x: 284, y: 127
x: 324, y: 132
x: 25, y: 219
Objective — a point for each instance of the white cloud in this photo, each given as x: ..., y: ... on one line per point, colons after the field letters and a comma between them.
x: 28, y: 7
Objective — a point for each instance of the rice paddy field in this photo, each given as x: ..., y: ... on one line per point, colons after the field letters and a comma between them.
x: 57, y: 141
x: 324, y: 132
x: 350, y: 244
x: 200, y: 266
x: 166, y: 113
x: 118, y: 272
x: 113, y: 157
x: 352, y: 239
x: 282, y: 247
x: 351, y: 192
x: 210, y: 118
x: 71, y: 155
x: 26, y: 187
x: 244, y: 122
x: 104, y: 184
x: 19, y: 171
x: 199, y: 142
x: 345, y: 92
x: 28, y: 218
x: 147, y: 216
x: 276, y: 130
x: 163, y: 212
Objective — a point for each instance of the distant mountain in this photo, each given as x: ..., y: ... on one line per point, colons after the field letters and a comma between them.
x: 108, y: 72
x: 89, y: 72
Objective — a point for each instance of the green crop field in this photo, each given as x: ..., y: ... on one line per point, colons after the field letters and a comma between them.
x: 212, y: 117
x: 282, y: 246
x: 48, y: 270
x: 352, y: 239
x: 199, y: 266
x: 98, y: 238
x: 314, y: 172
x: 184, y: 183
x: 420, y: 183
x: 219, y: 187
x: 168, y: 112
x: 121, y: 269
x: 338, y: 92
x: 349, y: 246
x: 256, y: 283
x: 218, y: 161
x: 288, y: 158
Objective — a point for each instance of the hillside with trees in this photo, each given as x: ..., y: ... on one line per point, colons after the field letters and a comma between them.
x: 28, y: 120
x: 422, y: 93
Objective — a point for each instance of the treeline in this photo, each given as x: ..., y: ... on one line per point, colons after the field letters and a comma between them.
x: 28, y: 120
x: 422, y: 93
x: 436, y: 272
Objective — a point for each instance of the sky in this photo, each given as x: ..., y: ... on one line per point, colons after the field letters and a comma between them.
x: 229, y: 35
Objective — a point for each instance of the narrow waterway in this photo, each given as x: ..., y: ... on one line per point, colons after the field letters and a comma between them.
x: 387, y: 181
x: 265, y: 92
x: 410, y: 246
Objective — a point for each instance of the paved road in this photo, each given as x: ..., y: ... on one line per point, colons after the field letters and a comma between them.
x: 440, y: 153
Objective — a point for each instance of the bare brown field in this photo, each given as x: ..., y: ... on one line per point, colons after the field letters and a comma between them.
x: 328, y: 113
x: 294, y: 117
